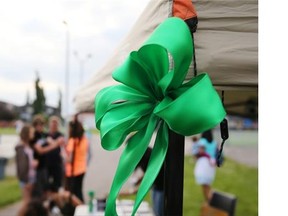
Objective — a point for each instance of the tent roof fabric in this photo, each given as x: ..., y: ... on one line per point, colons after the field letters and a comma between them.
x: 226, y: 47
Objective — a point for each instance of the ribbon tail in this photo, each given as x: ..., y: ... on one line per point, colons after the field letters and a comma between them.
x: 155, y: 163
x: 129, y: 159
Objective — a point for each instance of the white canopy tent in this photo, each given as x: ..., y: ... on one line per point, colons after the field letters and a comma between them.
x: 226, y: 44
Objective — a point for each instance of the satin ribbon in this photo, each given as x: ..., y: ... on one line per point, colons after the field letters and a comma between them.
x: 153, y: 98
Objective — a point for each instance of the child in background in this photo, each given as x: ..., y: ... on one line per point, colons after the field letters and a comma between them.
x: 26, y: 165
x: 204, y: 150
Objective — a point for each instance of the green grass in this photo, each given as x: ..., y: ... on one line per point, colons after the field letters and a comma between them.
x: 10, y: 191
x: 8, y: 131
x: 233, y: 178
x: 95, y: 131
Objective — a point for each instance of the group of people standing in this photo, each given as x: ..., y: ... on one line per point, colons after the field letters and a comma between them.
x: 47, y: 163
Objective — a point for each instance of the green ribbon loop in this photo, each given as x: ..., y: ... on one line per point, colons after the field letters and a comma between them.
x: 153, y: 98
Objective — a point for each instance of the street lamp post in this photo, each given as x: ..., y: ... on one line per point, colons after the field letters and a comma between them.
x: 67, y: 53
x: 82, y: 62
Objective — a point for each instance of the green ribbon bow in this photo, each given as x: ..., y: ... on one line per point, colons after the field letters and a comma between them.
x: 152, y: 97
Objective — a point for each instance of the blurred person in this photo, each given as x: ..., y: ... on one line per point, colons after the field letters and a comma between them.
x: 18, y: 125
x: 25, y: 165
x: 61, y: 201
x: 41, y: 145
x: 195, y: 140
x: 55, y: 203
x: 76, y: 158
x: 157, y: 189
x: 205, y: 152
x: 54, y: 161
x: 35, y: 208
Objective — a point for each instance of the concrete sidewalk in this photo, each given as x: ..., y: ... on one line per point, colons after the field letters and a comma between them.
x: 101, y: 169
x: 10, y: 210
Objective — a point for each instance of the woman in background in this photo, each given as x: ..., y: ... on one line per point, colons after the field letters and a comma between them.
x: 25, y: 165
x: 76, y: 158
x: 54, y: 160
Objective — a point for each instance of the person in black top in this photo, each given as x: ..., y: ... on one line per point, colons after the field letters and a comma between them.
x: 158, y: 185
x: 53, y: 158
x: 41, y: 144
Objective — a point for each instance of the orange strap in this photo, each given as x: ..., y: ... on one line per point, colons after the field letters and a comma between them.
x: 184, y: 9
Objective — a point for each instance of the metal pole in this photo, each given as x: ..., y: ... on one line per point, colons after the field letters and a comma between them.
x: 67, y: 76
x: 173, y: 175
x: 81, y: 65
x: 174, y: 162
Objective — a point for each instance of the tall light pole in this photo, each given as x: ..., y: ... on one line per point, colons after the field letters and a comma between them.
x: 67, y: 73
x: 82, y: 62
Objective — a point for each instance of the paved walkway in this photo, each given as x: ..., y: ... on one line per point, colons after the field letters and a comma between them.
x: 10, y: 210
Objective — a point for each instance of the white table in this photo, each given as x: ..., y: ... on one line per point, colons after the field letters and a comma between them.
x: 124, y: 208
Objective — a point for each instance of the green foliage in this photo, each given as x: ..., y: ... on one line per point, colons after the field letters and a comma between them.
x: 7, y: 115
x: 10, y: 191
x: 39, y: 102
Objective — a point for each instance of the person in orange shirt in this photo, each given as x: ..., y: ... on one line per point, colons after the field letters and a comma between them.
x: 76, y: 158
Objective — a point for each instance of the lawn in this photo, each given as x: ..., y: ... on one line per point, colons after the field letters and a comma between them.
x: 233, y: 178
x: 8, y: 131
x: 10, y: 191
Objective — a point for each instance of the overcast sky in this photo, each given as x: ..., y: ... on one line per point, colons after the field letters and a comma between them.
x: 33, y: 38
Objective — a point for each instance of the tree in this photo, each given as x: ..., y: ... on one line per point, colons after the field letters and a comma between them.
x: 7, y: 114
x: 39, y: 102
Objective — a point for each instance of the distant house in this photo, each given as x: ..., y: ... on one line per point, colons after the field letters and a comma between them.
x: 26, y: 111
x: 50, y: 110
x: 241, y: 123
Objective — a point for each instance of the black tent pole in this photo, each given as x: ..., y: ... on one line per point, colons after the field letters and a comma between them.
x: 174, y: 161
x: 173, y: 175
